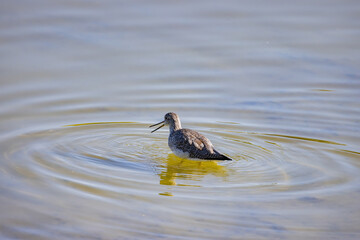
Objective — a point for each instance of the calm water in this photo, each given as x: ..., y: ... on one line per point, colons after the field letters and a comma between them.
x: 275, y: 86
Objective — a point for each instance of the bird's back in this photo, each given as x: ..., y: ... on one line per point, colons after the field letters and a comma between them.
x: 191, y: 144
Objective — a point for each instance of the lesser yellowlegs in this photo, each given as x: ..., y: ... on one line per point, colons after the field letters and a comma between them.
x: 187, y: 143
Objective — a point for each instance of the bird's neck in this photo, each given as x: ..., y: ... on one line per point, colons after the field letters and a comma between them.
x: 176, y: 125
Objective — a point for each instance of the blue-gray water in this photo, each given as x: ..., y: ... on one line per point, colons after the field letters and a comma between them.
x: 274, y: 85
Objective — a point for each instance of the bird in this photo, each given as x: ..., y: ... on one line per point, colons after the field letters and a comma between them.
x: 187, y: 143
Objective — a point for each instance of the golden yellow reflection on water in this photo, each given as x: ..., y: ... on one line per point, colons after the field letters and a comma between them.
x: 176, y: 168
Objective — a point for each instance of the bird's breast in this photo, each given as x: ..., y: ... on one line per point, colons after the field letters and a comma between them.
x: 180, y: 153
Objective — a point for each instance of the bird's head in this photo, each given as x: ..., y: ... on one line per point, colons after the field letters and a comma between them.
x: 171, y: 119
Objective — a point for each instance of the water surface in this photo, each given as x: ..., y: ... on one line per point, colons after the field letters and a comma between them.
x: 274, y: 86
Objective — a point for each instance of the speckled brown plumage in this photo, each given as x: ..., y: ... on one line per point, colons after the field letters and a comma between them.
x: 187, y: 143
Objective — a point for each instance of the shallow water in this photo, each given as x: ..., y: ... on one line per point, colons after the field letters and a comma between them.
x: 275, y: 87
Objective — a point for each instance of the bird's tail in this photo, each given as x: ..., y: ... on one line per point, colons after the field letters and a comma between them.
x: 223, y: 157
x: 219, y: 156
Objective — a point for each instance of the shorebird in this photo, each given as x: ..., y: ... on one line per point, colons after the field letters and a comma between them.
x: 187, y: 143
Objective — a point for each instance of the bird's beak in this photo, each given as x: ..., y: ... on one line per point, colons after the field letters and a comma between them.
x: 158, y: 127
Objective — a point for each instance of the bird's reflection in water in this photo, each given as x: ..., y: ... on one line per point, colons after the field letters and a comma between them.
x: 176, y: 168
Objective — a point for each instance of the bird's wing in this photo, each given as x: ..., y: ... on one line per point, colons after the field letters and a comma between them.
x: 194, y: 143
x: 200, y: 141
x: 197, y: 145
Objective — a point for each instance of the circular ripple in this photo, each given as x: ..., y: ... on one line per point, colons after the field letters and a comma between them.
x: 97, y: 159
x: 122, y: 166
x: 104, y: 158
